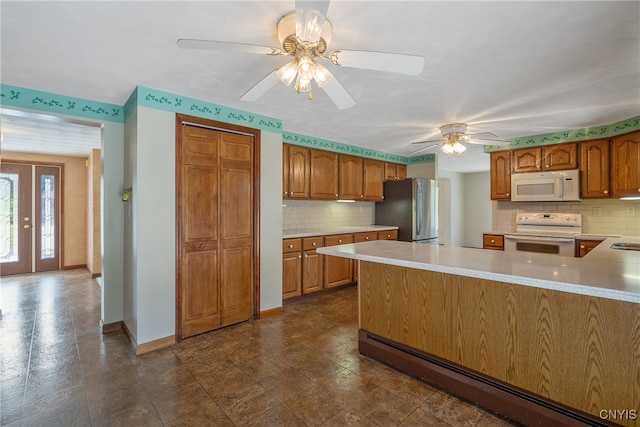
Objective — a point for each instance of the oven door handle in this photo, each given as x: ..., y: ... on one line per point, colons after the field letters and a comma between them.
x: 541, y: 239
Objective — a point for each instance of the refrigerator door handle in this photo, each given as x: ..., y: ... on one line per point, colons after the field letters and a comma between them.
x: 419, y: 213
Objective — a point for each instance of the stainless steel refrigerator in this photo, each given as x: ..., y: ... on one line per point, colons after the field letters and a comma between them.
x: 412, y: 205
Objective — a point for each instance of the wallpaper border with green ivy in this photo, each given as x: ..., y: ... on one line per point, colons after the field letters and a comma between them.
x: 166, y: 101
x: 13, y: 96
x: 338, y: 147
x: 596, y: 132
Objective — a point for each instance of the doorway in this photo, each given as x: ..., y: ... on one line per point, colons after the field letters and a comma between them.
x: 217, y: 214
x: 30, y: 202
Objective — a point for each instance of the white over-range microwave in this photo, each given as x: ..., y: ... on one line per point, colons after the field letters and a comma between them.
x: 555, y: 186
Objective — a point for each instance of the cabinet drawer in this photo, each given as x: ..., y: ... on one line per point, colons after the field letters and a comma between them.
x: 365, y: 237
x: 291, y: 245
x: 388, y: 235
x: 338, y: 239
x: 493, y: 241
x: 310, y: 243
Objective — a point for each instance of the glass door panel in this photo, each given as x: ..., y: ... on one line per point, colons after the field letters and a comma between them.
x: 47, y: 218
x: 15, y: 218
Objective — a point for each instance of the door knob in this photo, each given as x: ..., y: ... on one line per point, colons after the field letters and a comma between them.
x: 26, y: 218
x: 27, y: 226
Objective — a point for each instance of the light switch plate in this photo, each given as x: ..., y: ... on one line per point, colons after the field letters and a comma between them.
x: 597, y: 211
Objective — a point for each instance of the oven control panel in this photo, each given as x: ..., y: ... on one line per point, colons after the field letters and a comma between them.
x: 549, y: 219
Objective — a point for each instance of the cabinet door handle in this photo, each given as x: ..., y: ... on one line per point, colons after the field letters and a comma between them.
x: 313, y: 244
x: 581, y: 246
x: 366, y: 238
x: 508, y: 194
x: 340, y: 241
x: 306, y: 256
x: 493, y: 241
x: 606, y: 191
x: 299, y: 256
x: 290, y: 246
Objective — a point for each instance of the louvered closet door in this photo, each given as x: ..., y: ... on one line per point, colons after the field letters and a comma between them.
x: 216, y: 219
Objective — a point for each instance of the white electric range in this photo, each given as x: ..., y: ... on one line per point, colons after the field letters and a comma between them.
x: 552, y: 233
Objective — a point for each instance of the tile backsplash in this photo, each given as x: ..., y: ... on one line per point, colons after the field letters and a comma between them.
x: 303, y: 214
x: 599, y: 216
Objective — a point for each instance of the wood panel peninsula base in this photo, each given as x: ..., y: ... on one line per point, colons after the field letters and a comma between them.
x: 537, y: 356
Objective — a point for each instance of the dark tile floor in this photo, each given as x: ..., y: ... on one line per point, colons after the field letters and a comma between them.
x: 300, y: 368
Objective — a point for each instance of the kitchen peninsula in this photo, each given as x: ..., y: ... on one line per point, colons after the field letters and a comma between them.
x: 541, y: 339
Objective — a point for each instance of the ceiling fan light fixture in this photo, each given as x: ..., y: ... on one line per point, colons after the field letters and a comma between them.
x: 288, y: 72
x: 453, y: 147
x: 303, y: 84
x: 286, y: 28
x: 454, y: 128
x: 321, y: 75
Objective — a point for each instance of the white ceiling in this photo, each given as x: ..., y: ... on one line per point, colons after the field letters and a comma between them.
x: 511, y: 68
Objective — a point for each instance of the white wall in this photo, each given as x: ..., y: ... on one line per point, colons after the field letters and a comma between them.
x: 154, y: 224
x: 477, y: 207
x: 451, y: 207
x: 422, y: 170
x: 270, y: 220
x: 112, y: 222
x: 130, y: 314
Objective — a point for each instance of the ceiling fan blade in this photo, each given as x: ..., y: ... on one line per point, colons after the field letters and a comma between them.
x: 310, y: 18
x: 482, y: 135
x: 482, y: 141
x: 423, y: 149
x: 392, y: 62
x: 432, y: 140
x: 261, y: 87
x: 228, y: 47
x: 338, y: 94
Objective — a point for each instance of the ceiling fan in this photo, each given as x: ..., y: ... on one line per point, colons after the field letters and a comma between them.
x: 455, y: 134
x: 305, y: 34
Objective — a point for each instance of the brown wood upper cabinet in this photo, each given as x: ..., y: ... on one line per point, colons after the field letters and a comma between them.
x: 594, y: 169
x: 395, y: 172
x: 560, y: 157
x: 625, y: 165
x: 500, y: 175
x: 295, y: 172
x: 324, y: 175
x: 527, y: 159
x: 546, y: 158
x: 350, y: 177
x: 373, y: 180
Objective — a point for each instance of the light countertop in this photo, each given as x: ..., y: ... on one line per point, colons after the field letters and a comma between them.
x: 604, y: 272
x: 327, y: 231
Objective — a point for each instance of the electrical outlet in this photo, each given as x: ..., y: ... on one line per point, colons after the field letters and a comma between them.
x: 597, y: 211
x: 631, y: 211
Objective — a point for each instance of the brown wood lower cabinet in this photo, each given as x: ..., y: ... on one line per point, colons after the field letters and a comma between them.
x: 291, y: 268
x: 493, y: 241
x: 305, y: 271
x: 388, y: 235
x: 583, y: 247
x: 312, y: 265
x: 337, y: 271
